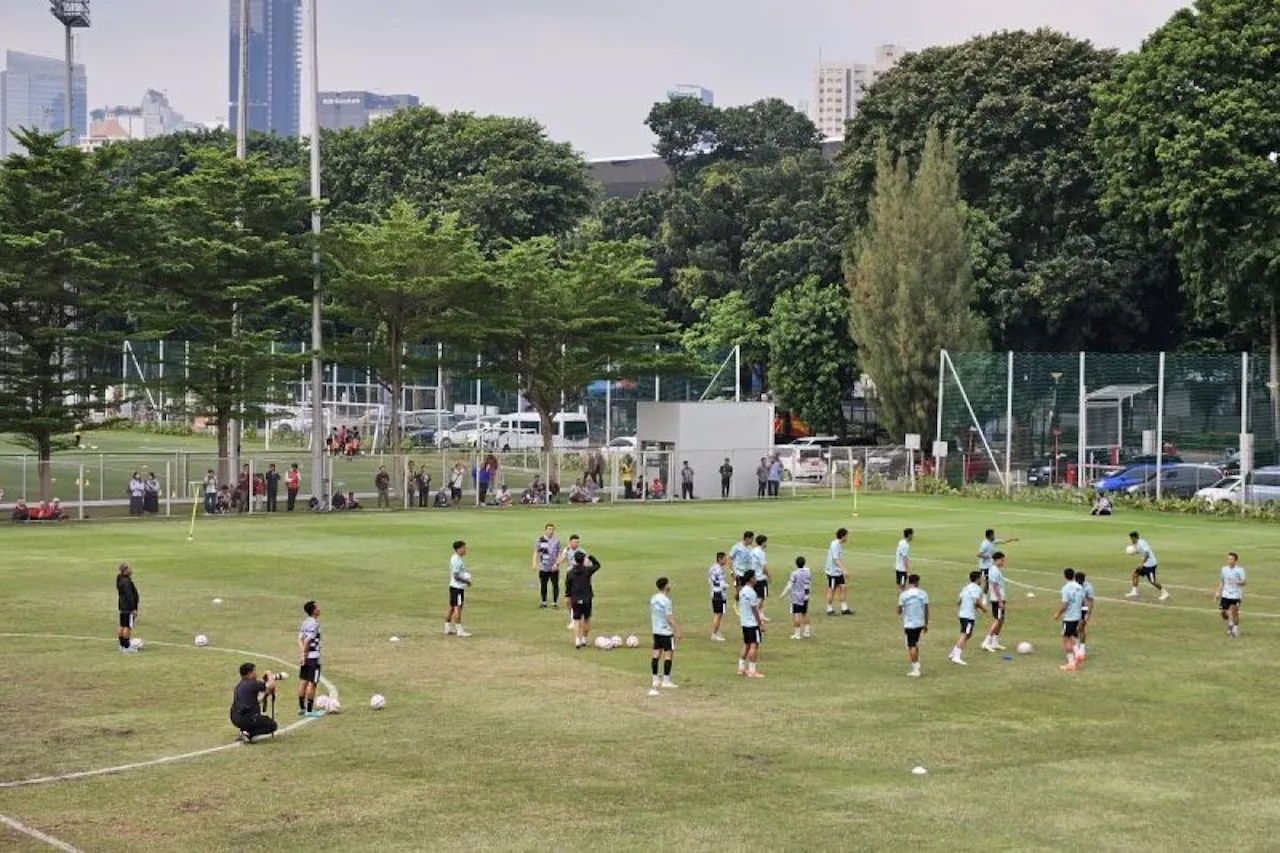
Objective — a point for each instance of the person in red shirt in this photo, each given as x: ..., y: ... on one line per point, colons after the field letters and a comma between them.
x: 292, y: 480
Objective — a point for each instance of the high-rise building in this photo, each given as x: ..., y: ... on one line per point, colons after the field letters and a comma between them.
x: 33, y: 95
x: 340, y: 110
x: 154, y: 117
x: 839, y: 86
x: 275, y: 66
x: 697, y: 93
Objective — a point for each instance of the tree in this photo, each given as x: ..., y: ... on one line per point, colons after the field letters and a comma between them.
x: 911, y: 280
x: 502, y: 176
x: 559, y: 318
x: 65, y: 248
x: 399, y: 280
x: 1019, y: 106
x: 228, y: 270
x: 723, y: 324
x: 812, y: 364
x: 1189, y: 139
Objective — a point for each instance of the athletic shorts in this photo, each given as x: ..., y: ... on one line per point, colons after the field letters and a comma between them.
x: 985, y: 573
x: 997, y: 610
x: 900, y: 578
x: 1228, y: 603
x: 1084, y: 615
x: 717, y: 604
x: 966, y: 627
x: 739, y: 581
x: 582, y: 609
x: 309, y: 672
x: 799, y: 609
x: 835, y: 581
x: 457, y: 597
x: 1148, y: 573
x: 913, y: 636
x: 762, y: 588
x: 126, y: 620
x: 662, y: 643
x: 1071, y: 629
x: 750, y: 636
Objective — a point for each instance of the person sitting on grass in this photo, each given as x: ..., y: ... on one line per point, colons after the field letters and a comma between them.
x: 1102, y: 506
x: 593, y: 492
x: 56, y: 512
x: 225, y: 500
x: 529, y: 496
x: 352, y: 501
x: 504, y: 496
x: 655, y: 489
x: 338, y: 501
x: 577, y: 493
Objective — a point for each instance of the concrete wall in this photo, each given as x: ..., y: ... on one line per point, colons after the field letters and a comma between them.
x: 704, y: 434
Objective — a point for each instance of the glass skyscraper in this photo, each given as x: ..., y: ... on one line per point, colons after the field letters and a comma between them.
x: 33, y: 95
x: 275, y: 66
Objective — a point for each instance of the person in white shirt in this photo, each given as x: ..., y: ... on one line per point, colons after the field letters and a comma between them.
x: 136, y: 491
x: 996, y: 591
x: 718, y: 584
x: 797, y: 591
x: 665, y: 634
x: 1230, y: 592
x: 837, y: 577
x: 459, y: 583
x: 970, y: 604
x: 760, y: 568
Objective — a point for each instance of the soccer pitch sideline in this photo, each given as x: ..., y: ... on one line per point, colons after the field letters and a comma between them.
x: 511, y: 740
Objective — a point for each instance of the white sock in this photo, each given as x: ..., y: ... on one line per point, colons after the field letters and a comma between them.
x: 915, y: 666
x: 955, y: 651
x: 1080, y: 649
x: 844, y: 607
x: 751, y: 666
x: 1071, y: 657
x: 742, y: 663
x: 1134, y: 590
x: 448, y: 627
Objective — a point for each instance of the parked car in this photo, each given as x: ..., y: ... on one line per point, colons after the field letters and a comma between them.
x: 623, y: 445
x: 802, y: 462
x: 1178, y: 481
x: 815, y: 441
x: 1125, y: 479
x: 1260, y: 486
x: 421, y: 437
x: 1263, y: 457
x: 468, y: 433
x: 1043, y: 472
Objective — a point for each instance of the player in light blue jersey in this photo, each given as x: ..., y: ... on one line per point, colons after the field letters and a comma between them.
x: 986, y: 553
x: 740, y: 556
x: 459, y: 582
x: 970, y: 604
x: 1070, y: 612
x: 1230, y: 593
x: 718, y: 585
x: 997, y: 592
x: 902, y: 559
x: 837, y: 577
x: 913, y: 607
x: 752, y: 626
x: 1087, y: 587
x: 1147, y: 568
x: 665, y: 633
x: 760, y: 567
x: 797, y: 591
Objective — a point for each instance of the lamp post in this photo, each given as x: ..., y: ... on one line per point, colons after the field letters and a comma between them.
x: 320, y: 490
x: 1056, y: 376
x: 73, y: 15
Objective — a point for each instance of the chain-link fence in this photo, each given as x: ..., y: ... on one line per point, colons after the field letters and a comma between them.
x: 1156, y: 424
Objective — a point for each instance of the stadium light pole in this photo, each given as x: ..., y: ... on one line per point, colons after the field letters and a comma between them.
x: 242, y: 152
x: 73, y: 15
x: 320, y: 491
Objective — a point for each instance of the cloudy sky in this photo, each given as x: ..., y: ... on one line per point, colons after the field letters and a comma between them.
x: 587, y: 69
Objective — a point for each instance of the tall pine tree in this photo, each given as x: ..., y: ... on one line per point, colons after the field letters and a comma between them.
x: 912, y: 284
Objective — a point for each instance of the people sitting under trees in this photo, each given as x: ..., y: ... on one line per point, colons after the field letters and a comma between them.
x: 504, y: 496
x: 1102, y: 506
x: 225, y: 499
x: 530, y: 495
x: 338, y: 501
x: 553, y: 492
x: 352, y: 501
x: 56, y: 512
x: 20, y: 511
x: 656, y: 489
x: 578, y: 492
x: 442, y: 498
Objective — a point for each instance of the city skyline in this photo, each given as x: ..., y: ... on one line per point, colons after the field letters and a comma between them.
x: 589, y: 70
x: 33, y: 95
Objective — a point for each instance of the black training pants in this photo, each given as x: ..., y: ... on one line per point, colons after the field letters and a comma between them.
x: 554, y: 579
x: 258, y: 724
x: 724, y: 487
x: 291, y: 499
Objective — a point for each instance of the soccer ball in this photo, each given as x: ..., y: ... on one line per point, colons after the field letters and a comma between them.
x: 135, y: 643
x: 466, y: 576
x: 334, y: 705
x: 377, y: 702
x: 633, y: 642
x: 1131, y: 550
x: 615, y: 641
x: 603, y: 643
x: 1025, y: 648
x: 202, y: 640
x: 217, y: 601
x: 322, y: 702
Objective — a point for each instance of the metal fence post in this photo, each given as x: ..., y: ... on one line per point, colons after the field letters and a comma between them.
x: 168, y: 489
x: 81, y: 482
x: 1160, y: 430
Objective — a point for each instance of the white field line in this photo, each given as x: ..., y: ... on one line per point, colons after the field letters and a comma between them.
x: 57, y: 844
x: 168, y: 759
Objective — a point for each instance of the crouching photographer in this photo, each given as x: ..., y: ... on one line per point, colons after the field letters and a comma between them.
x: 249, y: 702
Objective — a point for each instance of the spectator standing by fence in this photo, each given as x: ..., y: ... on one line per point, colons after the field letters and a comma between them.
x: 245, y: 493
x: 726, y: 478
x: 775, y: 476
x: 627, y: 473
x: 762, y: 478
x: 210, y: 492
x: 273, y: 488
x: 686, y: 482
x: 136, y: 492
x: 151, y: 494
x: 292, y: 482
x: 382, y: 482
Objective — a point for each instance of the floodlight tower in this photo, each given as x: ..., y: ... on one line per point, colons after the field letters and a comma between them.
x: 73, y: 15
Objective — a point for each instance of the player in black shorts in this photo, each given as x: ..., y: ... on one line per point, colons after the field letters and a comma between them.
x: 127, y: 603
x: 309, y: 663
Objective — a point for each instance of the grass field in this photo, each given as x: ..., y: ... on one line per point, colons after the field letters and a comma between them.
x: 511, y: 740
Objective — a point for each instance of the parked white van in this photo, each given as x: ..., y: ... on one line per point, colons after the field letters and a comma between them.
x: 1261, y: 485
x: 523, y: 431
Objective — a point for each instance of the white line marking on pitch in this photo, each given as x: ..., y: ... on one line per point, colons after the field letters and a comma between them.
x: 1133, y: 603
x: 58, y: 844
x: 168, y: 759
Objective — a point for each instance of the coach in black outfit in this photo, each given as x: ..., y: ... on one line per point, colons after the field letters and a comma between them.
x: 246, y: 715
